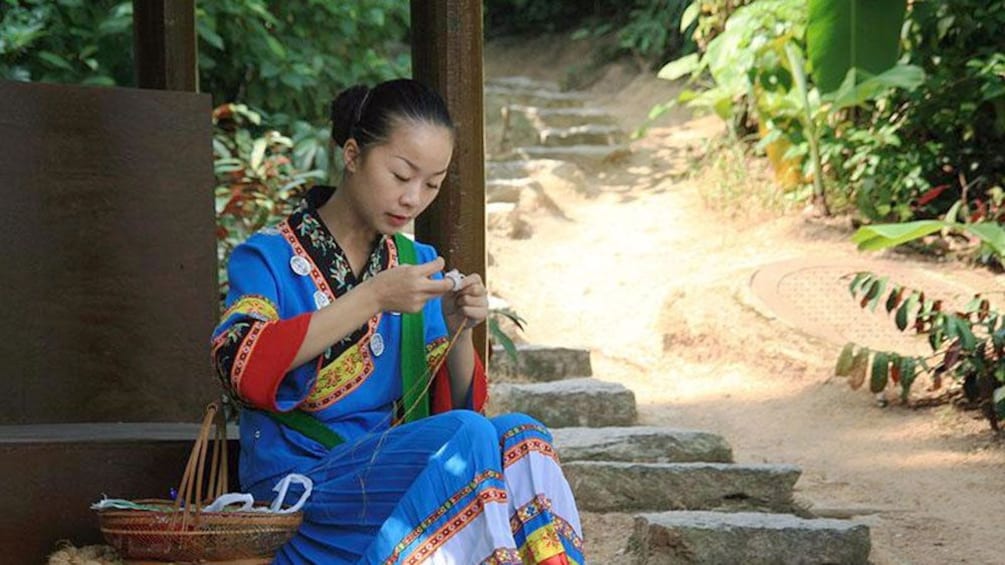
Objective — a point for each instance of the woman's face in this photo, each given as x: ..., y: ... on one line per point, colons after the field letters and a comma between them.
x: 393, y: 182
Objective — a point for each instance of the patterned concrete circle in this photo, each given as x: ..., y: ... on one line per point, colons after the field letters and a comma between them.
x: 812, y: 295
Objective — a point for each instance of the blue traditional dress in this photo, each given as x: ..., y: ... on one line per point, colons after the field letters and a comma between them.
x: 453, y: 488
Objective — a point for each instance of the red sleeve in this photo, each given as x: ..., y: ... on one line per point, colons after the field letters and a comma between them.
x: 442, y: 400
x: 264, y: 358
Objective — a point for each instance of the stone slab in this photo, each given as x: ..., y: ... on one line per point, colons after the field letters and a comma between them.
x: 567, y: 403
x: 541, y: 363
x: 641, y: 444
x: 606, y: 486
x: 751, y: 538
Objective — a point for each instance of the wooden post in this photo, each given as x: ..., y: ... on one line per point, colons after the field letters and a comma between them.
x: 164, y: 44
x: 447, y: 55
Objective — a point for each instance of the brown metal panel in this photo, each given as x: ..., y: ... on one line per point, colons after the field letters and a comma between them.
x: 164, y: 42
x: 447, y: 55
x: 107, y: 254
x: 48, y: 487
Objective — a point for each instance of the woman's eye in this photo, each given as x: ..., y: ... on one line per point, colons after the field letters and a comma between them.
x: 433, y: 186
x: 401, y: 178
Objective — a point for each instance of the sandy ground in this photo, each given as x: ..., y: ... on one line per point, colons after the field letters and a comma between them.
x: 647, y: 265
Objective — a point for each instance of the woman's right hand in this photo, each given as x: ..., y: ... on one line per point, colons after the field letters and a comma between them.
x: 407, y: 288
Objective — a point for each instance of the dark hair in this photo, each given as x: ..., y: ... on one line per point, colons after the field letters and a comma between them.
x: 368, y: 115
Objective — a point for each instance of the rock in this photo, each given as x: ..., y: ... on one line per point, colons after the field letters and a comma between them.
x: 509, y: 190
x: 607, y: 486
x: 572, y: 402
x: 560, y: 117
x: 585, y: 135
x: 522, y: 83
x: 641, y: 444
x: 585, y: 154
x: 541, y: 363
x: 750, y: 538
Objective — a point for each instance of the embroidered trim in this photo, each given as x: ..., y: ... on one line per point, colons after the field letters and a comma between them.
x: 444, y: 508
x: 343, y: 375
x: 254, y: 306
x: 243, y: 354
x: 316, y: 276
x: 523, y: 428
x: 463, y: 519
x: 503, y: 556
x: 524, y: 448
x: 435, y: 350
x: 537, y: 506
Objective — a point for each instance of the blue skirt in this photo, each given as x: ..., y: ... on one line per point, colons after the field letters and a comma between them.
x: 453, y: 488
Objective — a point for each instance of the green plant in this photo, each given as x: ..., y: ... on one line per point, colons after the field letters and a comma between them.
x: 967, y: 345
x: 257, y: 183
x: 286, y: 59
x: 988, y: 235
x: 498, y: 334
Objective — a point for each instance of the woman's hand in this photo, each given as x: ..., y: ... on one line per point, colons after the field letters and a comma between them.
x: 407, y: 288
x: 468, y: 306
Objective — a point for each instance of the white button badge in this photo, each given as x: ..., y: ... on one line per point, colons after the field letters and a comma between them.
x: 321, y: 299
x: 300, y: 265
x: 377, y: 344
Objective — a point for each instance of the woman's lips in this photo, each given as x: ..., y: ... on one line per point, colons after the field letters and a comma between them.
x: 397, y: 220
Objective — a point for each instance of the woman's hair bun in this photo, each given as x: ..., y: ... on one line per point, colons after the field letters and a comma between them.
x: 345, y: 112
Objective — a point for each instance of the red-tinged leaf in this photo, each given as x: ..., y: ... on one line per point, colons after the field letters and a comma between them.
x: 952, y: 356
x: 893, y: 300
x: 984, y: 310
x: 931, y: 194
x: 937, y: 306
x: 895, y: 364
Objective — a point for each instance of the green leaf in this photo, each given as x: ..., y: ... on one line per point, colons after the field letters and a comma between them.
x: 882, y: 236
x: 852, y: 93
x: 846, y: 34
x: 55, y: 60
x: 905, y: 311
x: 503, y: 339
x: 844, y: 360
x: 908, y: 368
x: 879, y: 375
x: 690, y: 15
x: 991, y: 233
x: 876, y: 292
x: 680, y: 67
x: 858, y: 281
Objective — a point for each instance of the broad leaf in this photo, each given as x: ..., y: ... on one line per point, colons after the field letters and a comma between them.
x: 846, y: 34
x: 881, y: 236
x: 859, y: 366
x: 844, y: 360
x: 680, y: 67
x: 880, y: 372
x: 855, y: 92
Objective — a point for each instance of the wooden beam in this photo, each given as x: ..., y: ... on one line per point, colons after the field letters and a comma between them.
x: 447, y: 55
x: 164, y: 44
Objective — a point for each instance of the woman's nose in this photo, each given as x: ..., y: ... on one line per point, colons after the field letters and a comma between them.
x: 410, y: 197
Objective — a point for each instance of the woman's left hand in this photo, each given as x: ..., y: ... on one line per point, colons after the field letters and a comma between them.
x: 468, y: 305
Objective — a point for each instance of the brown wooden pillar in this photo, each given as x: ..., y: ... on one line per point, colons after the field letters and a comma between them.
x: 447, y: 55
x: 164, y: 44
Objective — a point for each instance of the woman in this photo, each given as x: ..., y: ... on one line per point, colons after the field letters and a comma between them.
x: 313, y: 333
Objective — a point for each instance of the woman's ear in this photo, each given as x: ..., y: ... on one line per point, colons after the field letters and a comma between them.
x: 351, y: 155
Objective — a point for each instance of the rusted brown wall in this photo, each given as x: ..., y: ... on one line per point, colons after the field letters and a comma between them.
x: 107, y: 254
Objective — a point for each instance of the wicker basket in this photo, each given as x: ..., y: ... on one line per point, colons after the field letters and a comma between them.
x: 183, y: 532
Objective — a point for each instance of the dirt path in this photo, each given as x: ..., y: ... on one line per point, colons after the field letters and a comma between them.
x: 650, y: 278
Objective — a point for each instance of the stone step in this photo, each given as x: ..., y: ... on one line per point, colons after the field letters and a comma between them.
x: 612, y: 486
x: 641, y: 444
x: 540, y: 118
x: 509, y: 190
x: 516, y: 169
x: 540, y: 363
x: 567, y: 403
x: 499, y: 97
x: 585, y: 135
x: 751, y: 538
x: 521, y: 82
x: 582, y: 154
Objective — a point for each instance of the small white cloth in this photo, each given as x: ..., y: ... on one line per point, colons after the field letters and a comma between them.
x: 224, y: 501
